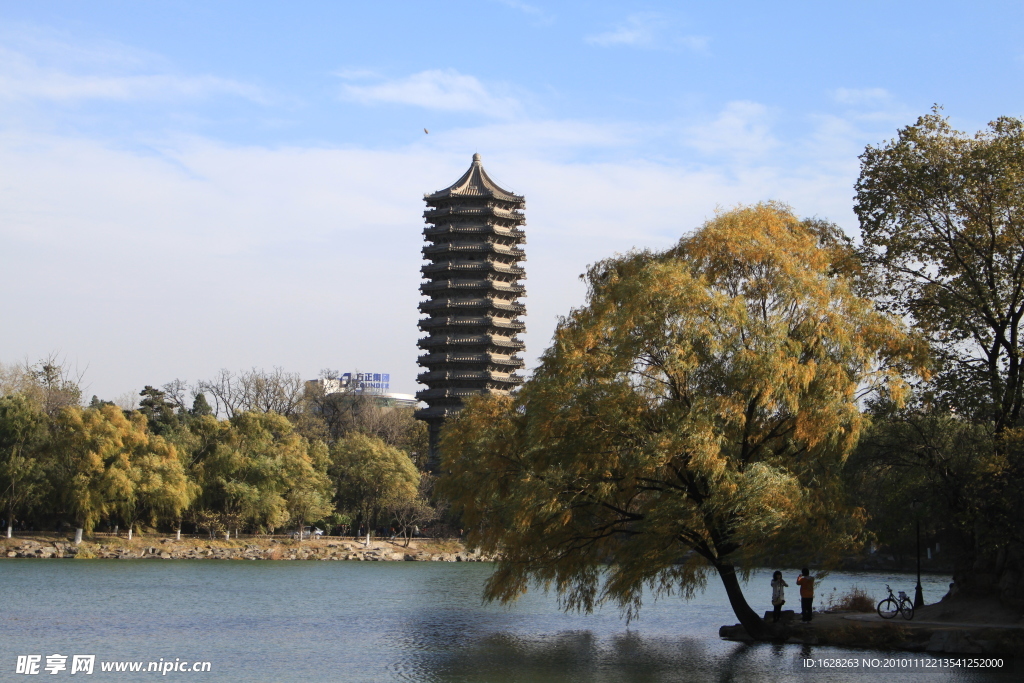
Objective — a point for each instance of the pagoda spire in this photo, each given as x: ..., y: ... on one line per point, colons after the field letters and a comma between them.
x: 473, y: 239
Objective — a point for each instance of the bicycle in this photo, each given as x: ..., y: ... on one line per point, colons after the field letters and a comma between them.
x: 893, y: 605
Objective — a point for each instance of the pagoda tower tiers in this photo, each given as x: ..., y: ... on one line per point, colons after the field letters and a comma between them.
x: 473, y: 312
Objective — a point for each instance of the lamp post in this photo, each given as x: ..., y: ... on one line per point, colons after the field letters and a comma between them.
x: 918, y: 597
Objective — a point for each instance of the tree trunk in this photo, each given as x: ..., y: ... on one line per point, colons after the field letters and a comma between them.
x: 10, y: 523
x: 129, y: 532
x: 78, y: 536
x: 755, y: 625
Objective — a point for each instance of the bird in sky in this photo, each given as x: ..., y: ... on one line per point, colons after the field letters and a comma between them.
x: 426, y: 131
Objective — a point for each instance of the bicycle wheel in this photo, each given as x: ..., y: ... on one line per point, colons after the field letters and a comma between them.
x: 907, y: 609
x: 888, y: 608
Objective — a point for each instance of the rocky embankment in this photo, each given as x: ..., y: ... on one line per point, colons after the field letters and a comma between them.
x: 242, y: 549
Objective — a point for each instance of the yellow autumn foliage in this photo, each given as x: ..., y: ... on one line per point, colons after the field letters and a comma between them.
x: 693, y: 415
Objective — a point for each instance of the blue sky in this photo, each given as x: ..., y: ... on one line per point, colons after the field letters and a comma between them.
x: 186, y: 186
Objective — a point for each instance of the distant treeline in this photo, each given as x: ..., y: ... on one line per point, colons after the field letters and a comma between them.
x: 281, y: 457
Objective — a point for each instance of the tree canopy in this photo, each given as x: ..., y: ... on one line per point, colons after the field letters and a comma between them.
x: 692, y: 414
x: 372, y: 476
x: 22, y: 475
x: 942, y: 218
x: 172, y: 462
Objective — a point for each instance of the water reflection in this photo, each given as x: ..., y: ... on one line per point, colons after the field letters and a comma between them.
x: 567, y: 656
x: 585, y: 657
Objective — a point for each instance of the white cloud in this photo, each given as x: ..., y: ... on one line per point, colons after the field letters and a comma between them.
x: 441, y: 89
x: 357, y: 74
x: 861, y: 96
x: 648, y: 30
x: 147, y: 267
x: 695, y: 43
x: 638, y: 31
x: 23, y: 78
x: 51, y: 46
x: 521, y: 6
x: 528, y: 9
x: 548, y: 139
x: 742, y: 129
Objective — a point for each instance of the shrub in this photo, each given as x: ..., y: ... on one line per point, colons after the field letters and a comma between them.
x: 857, y: 600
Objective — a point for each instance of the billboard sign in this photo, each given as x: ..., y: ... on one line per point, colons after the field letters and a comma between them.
x: 366, y: 381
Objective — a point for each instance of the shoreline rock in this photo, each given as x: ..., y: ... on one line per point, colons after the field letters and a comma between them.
x: 324, y: 549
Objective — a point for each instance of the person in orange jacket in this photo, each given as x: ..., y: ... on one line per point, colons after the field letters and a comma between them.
x: 806, y: 583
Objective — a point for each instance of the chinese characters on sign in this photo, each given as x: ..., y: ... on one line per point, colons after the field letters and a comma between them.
x: 366, y: 381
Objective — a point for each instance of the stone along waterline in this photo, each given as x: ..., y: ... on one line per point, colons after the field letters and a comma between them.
x: 245, y: 549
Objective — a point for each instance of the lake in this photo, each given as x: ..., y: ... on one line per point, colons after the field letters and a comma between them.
x: 387, y: 621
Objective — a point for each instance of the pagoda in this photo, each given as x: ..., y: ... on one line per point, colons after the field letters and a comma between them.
x: 473, y: 311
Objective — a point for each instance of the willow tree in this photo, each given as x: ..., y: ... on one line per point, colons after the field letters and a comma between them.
x: 309, y: 491
x: 147, y: 480
x: 85, y: 444
x: 245, y: 468
x: 371, y: 475
x: 106, y: 462
x: 692, y: 416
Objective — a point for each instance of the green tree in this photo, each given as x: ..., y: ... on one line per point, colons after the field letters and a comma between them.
x: 195, y: 439
x: 86, y: 445
x: 148, y: 482
x: 254, y: 466
x: 410, y: 512
x: 309, y: 490
x: 106, y: 462
x: 933, y: 457
x: 22, y: 472
x: 691, y: 417
x: 942, y: 217
x: 241, y: 472
x: 200, y: 406
x: 159, y: 411
x: 371, y: 475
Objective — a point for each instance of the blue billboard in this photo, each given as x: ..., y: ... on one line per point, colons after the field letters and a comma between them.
x: 366, y: 381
